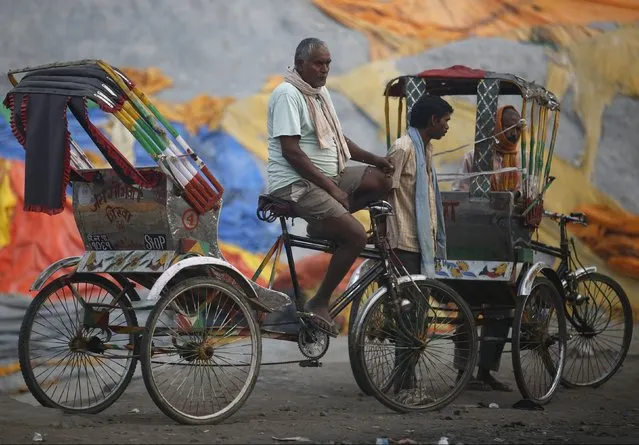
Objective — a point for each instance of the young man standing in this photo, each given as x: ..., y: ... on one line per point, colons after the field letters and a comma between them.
x: 416, y: 230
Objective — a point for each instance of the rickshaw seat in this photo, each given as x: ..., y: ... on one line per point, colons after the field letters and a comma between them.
x: 269, y: 208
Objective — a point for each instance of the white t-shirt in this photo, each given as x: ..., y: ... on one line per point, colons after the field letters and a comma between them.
x: 288, y: 115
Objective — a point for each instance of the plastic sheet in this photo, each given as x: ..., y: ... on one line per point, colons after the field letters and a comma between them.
x: 8, y: 201
x: 33, y: 247
x: 403, y: 27
x: 201, y: 111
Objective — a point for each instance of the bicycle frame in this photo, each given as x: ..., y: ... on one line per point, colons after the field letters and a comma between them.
x: 287, y: 241
x: 562, y: 252
x: 567, y: 276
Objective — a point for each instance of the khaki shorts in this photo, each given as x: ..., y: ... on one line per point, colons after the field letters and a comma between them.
x: 313, y: 203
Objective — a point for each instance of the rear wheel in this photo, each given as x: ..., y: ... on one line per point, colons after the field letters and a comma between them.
x: 539, y: 342
x: 599, y: 330
x: 76, y: 356
x: 410, y: 363
x: 201, y: 351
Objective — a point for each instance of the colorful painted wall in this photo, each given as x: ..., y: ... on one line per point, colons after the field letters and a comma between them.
x: 210, y: 67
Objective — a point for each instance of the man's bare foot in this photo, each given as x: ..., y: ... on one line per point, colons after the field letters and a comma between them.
x: 492, y: 382
x: 319, y: 309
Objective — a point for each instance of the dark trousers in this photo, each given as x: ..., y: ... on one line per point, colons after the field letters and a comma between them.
x: 406, y: 359
x: 494, y: 331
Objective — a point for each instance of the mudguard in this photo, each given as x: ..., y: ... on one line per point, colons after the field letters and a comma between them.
x: 261, y: 298
x: 580, y: 273
x: 52, y: 269
x: 526, y: 281
x: 73, y: 261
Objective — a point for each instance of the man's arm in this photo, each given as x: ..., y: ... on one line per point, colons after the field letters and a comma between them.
x: 398, y: 157
x: 360, y: 155
x: 463, y: 184
x: 301, y: 163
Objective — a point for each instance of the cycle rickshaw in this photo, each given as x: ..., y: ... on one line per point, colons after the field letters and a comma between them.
x: 200, y: 347
x: 569, y: 324
x: 155, y: 229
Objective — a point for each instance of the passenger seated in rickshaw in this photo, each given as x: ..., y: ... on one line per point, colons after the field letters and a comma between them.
x: 307, y: 155
x: 506, y: 154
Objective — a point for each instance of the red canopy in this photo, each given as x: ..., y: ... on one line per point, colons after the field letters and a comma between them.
x: 444, y: 78
x: 454, y: 72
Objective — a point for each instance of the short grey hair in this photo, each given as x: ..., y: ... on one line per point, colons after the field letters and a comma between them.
x: 306, y: 47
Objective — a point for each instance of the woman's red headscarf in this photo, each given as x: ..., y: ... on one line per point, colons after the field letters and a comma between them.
x: 510, y: 180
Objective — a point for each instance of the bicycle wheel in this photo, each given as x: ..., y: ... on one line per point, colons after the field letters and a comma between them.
x: 599, y: 326
x: 539, y: 342
x: 78, y: 358
x: 357, y: 370
x: 409, y: 362
x: 201, y: 351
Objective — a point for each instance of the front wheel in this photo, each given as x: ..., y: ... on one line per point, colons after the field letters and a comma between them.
x: 201, y: 351
x: 419, y: 352
x: 539, y: 341
x: 357, y: 304
x: 599, y: 330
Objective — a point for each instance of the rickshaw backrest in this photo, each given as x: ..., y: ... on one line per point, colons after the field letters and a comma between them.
x: 112, y: 215
x: 483, y: 229
x: 42, y: 97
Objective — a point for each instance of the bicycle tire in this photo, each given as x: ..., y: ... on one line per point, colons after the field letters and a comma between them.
x: 358, y: 372
x: 517, y: 337
x: 26, y: 330
x: 458, y: 385
x: 627, y: 337
x: 146, y: 353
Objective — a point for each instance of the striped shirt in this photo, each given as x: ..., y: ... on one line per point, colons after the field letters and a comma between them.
x: 402, y: 226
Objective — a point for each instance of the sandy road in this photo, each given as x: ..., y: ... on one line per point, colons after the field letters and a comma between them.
x: 325, y: 405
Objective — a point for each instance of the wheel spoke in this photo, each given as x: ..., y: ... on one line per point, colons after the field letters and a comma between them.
x: 201, y: 351
x: 600, y: 329
x: 411, y: 359
x: 63, y: 359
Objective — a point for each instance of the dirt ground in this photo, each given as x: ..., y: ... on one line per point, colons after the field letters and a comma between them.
x: 324, y: 405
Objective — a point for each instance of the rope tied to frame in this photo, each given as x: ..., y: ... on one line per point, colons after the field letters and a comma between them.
x: 520, y: 124
x: 447, y: 177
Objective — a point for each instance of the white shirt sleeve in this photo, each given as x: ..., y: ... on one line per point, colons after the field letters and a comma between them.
x: 286, y: 116
x: 463, y: 184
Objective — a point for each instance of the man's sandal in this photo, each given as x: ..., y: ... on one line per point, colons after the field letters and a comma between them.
x: 478, y: 385
x: 491, y: 385
x: 321, y: 323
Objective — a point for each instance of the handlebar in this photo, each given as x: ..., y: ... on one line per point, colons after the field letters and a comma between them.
x: 380, y: 207
x: 578, y: 218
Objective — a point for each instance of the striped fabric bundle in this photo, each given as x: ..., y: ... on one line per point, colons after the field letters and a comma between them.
x: 116, y: 94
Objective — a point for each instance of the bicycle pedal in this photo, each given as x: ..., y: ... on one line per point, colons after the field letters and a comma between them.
x: 310, y: 364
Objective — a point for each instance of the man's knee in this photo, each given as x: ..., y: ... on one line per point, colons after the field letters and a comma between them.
x: 375, y: 181
x: 345, y: 230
